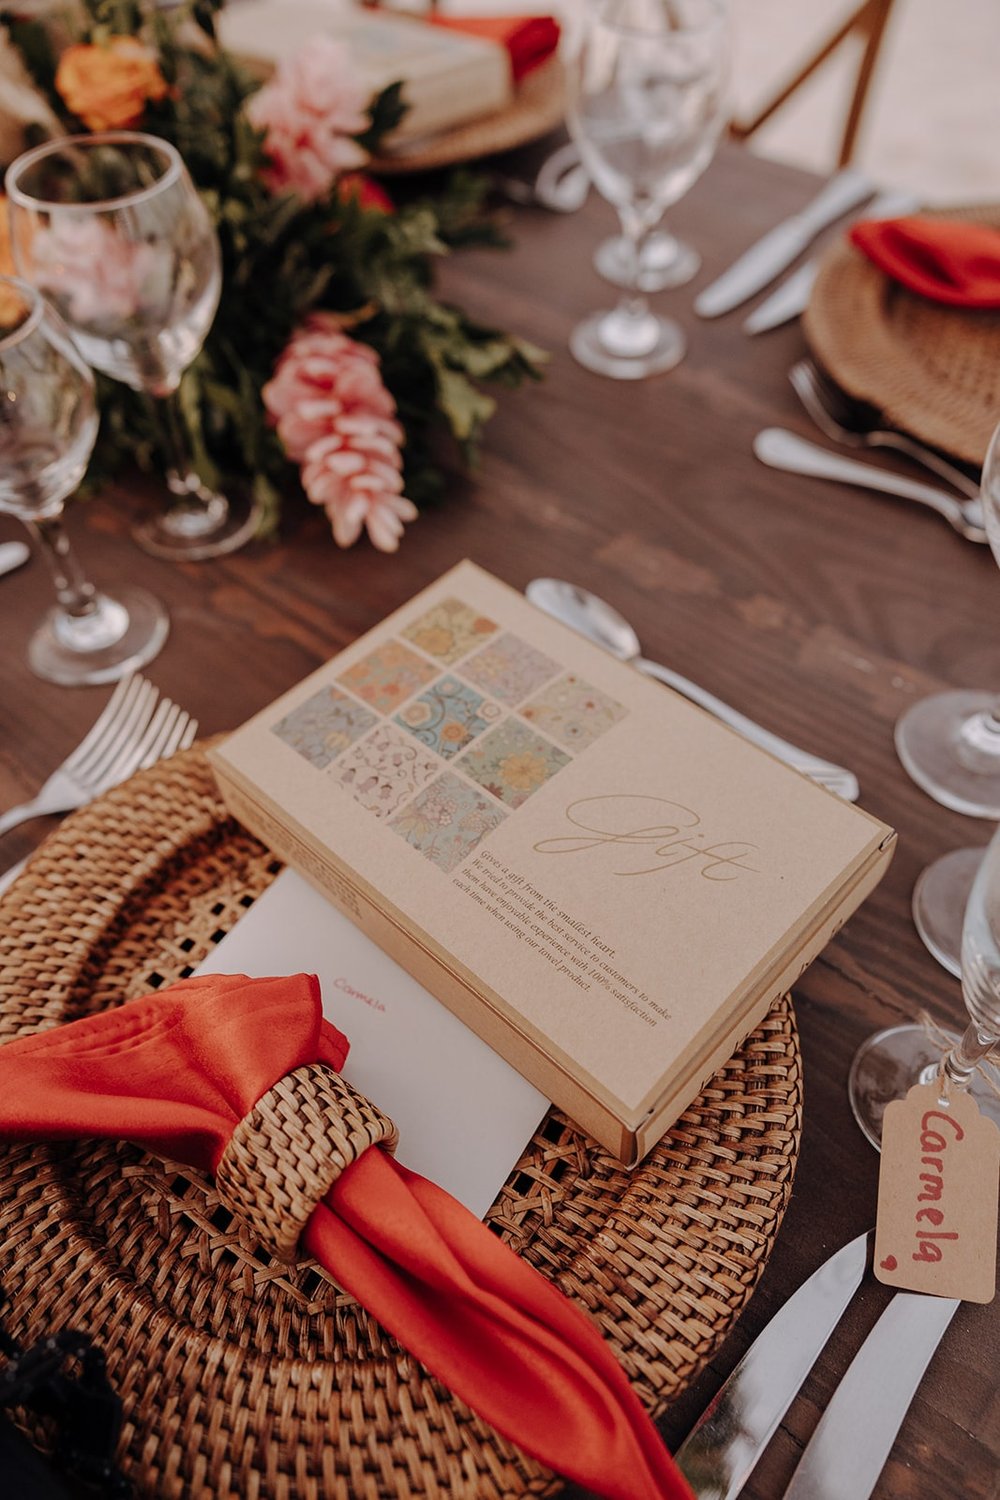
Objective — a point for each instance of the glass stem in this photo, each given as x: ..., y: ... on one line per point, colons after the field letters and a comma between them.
x: 76, y: 594
x: 958, y: 1065
x: 636, y: 230
x: 181, y: 478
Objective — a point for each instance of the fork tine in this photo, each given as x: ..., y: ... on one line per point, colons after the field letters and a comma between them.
x: 129, y: 728
x: 130, y: 752
x: 182, y: 734
x: 116, y: 705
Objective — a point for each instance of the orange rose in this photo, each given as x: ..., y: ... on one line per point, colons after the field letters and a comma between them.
x: 109, y: 86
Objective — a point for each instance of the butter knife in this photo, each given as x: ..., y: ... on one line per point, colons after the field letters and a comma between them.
x: 721, y: 1451
x: 847, y: 1452
x: 792, y: 296
x: 769, y: 256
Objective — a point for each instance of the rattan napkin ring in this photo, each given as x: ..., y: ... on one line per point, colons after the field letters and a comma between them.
x: 286, y: 1154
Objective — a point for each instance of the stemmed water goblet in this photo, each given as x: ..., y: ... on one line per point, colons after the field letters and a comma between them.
x: 48, y: 425
x: 647, y: 103
x: 112, y: 229
x: 889, y: 1063
x: 950, y: 742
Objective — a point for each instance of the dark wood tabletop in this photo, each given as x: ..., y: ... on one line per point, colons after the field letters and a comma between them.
x: 821, y: 611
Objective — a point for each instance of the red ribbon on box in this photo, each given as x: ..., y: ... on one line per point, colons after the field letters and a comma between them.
x: 529, y: 40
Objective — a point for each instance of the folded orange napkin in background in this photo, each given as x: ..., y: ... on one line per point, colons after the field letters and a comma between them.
x: 944, y: 259
x: 177, y: 1071
x: 530, y: 40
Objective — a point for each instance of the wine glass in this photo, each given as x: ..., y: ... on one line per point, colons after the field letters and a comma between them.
x: 950, y: 742
x: 647, y: 92
x: 112, y: 229
x: 48, y: 425
x: 888, y: 1064
x: 966, y: 755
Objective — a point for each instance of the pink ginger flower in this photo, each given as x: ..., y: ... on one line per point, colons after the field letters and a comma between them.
x: 335, y: 417
x: 310, y: 108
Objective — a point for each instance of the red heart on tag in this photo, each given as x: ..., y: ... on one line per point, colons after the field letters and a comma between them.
x: 889, y: 1264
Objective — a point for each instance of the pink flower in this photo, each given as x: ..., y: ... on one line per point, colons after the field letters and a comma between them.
x: 335, y: 417
x: 97, y: 275
x: 310, y: 108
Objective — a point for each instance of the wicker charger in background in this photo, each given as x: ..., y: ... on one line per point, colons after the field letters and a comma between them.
x: 931, y: 370
x: 247, y: 1379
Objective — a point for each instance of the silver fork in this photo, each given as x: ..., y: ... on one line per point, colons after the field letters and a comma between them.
x: 136, y: 729
x: 855, y: 424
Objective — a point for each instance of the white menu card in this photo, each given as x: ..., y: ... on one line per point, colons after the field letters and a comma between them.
x: 463, y: 1114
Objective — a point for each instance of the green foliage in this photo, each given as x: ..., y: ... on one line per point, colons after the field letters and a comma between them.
x: 282, y: 259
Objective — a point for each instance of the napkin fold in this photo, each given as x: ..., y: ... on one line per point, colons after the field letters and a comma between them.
x: 943, y: 259
x: 529, y: 40
x: 177, y: 1071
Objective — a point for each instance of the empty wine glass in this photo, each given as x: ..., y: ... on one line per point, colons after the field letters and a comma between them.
x: 888, y: 1064
x: 112, y: 229
x: 48, y: 425
x: 950, y: 742
x: 647, y: 102
x: 956, y: 736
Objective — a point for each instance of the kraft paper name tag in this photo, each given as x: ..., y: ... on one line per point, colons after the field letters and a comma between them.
x: 936, y: 1229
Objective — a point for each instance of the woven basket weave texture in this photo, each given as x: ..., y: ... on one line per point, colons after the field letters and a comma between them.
x: 245, y: 1378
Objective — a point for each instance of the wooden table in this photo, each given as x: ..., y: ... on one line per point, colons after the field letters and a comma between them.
x: 821, y: 611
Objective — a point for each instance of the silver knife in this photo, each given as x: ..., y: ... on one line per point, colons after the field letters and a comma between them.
x: 12, y: 555
x: 769, y: 256
x: 792, y: 296
x: 722, y: 1449
x: 848, y: 1450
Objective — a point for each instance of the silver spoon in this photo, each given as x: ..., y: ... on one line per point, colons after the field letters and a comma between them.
x: 599, y: 622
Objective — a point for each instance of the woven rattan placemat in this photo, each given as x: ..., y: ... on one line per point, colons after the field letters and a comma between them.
x: 538, y: 106
x: 931, y: 370
x: 246, y: 1379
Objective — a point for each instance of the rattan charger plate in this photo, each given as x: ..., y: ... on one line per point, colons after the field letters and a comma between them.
x: 931, y: 370
x: 248, y: 1379
x: 537, y: 107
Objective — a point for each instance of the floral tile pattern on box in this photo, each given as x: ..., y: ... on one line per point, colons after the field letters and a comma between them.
x: 510, y: 669
x: 384, y: 770
x: 512, y: 761
x: 447, y: 820
x: 324, y: 725
x: 450, y: 631
x: 387, y: 676
x: 573, y: 712
x: 448, y: 715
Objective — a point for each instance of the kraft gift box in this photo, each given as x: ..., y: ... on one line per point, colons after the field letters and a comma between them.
x: 604, y: 882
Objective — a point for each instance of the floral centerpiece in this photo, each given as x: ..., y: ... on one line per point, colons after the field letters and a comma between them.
x: 330, y: 353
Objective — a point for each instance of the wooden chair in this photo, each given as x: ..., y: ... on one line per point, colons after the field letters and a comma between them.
x: 869, y: 22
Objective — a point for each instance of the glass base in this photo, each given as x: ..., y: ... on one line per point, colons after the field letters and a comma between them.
x: 122, y: 634
x: 940, y: 897
x: 190, y: 531
x: 666, y: 262
x: 600, y: 343
x: 932, y: 741
x: 886, y: 1067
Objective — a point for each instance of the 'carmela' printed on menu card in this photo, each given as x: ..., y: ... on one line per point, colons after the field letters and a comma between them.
x: 604, y: 882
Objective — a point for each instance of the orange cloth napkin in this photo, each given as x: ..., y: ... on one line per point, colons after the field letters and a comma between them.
x: 530, y: 40
x: 943, y: 259
x: 178, y: 1070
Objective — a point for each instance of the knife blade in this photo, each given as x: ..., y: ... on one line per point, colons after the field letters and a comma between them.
x: 792, y: 296
x: 846, y: 1454
x: 769, y: 256
x: 722, y: 1449
x: 12, y: 555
